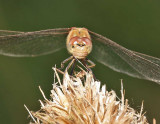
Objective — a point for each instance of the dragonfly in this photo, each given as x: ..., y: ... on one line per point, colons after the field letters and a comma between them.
x: 80, y: 42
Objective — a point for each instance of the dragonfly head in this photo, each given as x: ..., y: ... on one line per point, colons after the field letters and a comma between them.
x: 79, y: 43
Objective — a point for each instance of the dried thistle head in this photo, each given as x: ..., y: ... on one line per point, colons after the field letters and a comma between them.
x: 85, y: 102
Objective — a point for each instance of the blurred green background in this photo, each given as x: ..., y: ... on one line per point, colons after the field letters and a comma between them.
x: 132, y: 24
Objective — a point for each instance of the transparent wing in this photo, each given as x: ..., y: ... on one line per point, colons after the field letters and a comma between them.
x: 6, y: 32
x: 123, y: 60
x: 19, y: 44
x: 150, y: 58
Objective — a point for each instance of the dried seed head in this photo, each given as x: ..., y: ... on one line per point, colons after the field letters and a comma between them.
x: 73, y: 102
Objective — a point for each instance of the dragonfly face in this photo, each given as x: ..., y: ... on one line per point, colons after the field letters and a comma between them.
x: 79, y: 42
x: 105, y: 51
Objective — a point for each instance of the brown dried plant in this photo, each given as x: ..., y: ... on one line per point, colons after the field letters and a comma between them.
x: 76, y: 101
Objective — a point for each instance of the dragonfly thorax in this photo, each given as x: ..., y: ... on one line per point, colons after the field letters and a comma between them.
x: 79, y: 43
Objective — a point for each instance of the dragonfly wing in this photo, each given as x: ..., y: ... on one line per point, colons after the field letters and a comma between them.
x: 150, y: 58
x: 123, y: 60
x: 36, y: 43
x: 6, y: 32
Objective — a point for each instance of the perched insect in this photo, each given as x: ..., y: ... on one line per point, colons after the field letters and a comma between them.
x: 79, y: 44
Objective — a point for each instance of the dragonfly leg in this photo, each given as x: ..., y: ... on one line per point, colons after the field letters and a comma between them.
x: 70, y: 64
x: 58, y: 70
x: 82, y: 73
x: 73, y: 67
x: 66, y: 60
x: 92, y: 64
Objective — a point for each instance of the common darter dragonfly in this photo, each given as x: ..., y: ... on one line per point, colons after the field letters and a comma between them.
x: 79, y: 44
